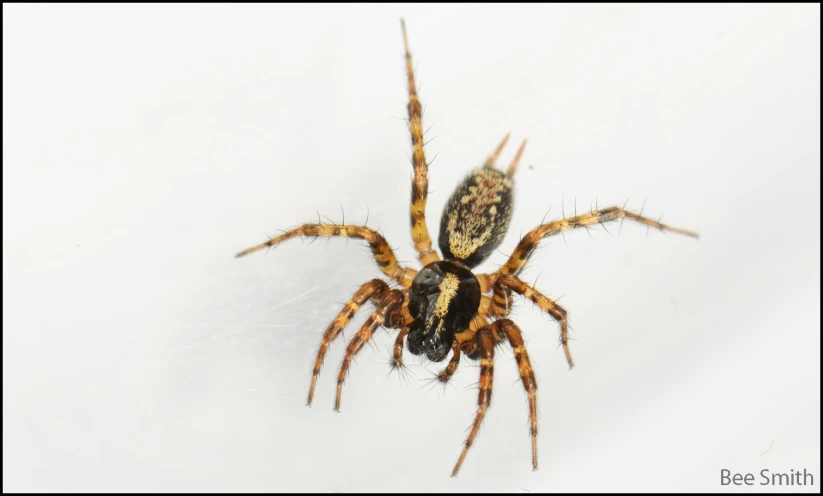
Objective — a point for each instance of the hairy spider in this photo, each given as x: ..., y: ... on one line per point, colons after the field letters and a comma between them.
x: 445, y: 306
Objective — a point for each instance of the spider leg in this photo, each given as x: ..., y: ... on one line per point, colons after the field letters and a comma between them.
x: 397, y: 359
x: 502, y: 301
x: 545, y: 304
x: 400, y: 319
x: 485, y: 341
x: 467, y: 339
x: 373, y: 289
x: 524, y: 366
x: 486, y: 282
x: 529, y: 242
x: 420, y: 183
x: 451, y: 368
x: 389, y: 304
x: 485, y: 307
x: 383, y: 254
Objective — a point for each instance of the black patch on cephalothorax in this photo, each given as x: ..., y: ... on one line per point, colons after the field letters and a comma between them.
x: 443, y: 299
x: 476, y: 216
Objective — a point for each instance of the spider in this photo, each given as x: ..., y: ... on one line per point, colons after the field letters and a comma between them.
x: 445, y: 306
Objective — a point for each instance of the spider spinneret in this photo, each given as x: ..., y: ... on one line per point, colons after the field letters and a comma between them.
x: 445, y: 306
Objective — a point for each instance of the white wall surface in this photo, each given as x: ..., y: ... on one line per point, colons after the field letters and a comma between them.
x: 145, y: 144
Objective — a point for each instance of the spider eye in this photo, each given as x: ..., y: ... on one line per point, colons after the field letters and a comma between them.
x: 424, y: 286
x: 436, y: 351
x: 427, y: 278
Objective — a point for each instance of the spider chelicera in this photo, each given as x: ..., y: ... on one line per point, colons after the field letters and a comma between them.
x: 445, y: 306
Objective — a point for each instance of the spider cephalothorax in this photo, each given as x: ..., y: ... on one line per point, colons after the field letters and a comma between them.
x: 445, y: 306
x: 443, y: 299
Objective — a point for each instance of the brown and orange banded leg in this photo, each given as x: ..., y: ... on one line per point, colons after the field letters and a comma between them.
x: 485, y: 308
x: 402, y: 320
x: 372, y: 289
x: 389, y: 304
x: 451, y: 368
x: 524, y: 366
x: 502, y: 301
x: 397, y: 358
x: 486, y: 282
x: 467, y: 339
x: 545, y: 304
x: 485, y: 343
x: 529, y: 242
x: 404, y: 317
x: 383, y: 254
x: 420, y: 183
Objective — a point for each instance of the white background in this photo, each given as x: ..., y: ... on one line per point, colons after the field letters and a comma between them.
x: 144, y: 145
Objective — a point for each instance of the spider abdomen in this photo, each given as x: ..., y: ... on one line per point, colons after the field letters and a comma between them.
x: 476, y: 216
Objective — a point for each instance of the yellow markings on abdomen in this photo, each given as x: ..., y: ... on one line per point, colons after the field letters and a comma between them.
x: 476, y: 216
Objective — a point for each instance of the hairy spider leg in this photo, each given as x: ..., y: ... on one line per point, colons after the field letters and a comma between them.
x: 486, y: 282
x: 524, y: 367
x: 467, y: 339
x: 485, y: 343
x: 530, y: 241
x: 481, y: 344
x: 383, y: 254
x: 502, y: 301
x: 420, y: 183
x: 372, y: 290
x: 391, y: 302
x: 402, y: 317
x: 546, y: 304
x: 485, y: 306
x: 446, y: 374
x: 397, y: 358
